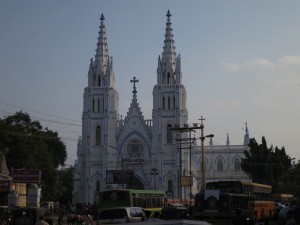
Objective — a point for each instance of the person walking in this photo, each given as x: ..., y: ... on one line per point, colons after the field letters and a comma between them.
x: 88, y: 220
x: 41, y: 221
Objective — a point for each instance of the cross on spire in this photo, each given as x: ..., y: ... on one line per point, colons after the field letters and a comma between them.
x: 102, y: 17
x: 134, y: 81
x: 169, y: 14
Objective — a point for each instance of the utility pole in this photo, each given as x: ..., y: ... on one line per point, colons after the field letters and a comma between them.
x: 154, y: 173
x: 185, y: 128
x: 122, y: 171
x: 202, y: 138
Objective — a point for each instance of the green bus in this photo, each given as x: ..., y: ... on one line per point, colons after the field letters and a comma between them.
x: 147, y: 199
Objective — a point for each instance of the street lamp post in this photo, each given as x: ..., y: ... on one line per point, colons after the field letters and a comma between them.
x: 202, y: 138
x: 185, y: 128
x: 122, y: 171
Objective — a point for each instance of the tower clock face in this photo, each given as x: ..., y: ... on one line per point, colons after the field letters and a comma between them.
x: 135, y: 149
x: 134, y: 123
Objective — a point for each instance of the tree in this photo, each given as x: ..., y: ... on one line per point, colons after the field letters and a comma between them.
x: 30, y: 146
x: 267, y: 166
x: 255, y: 163
x: 66, y: 184
x: 294, y: 179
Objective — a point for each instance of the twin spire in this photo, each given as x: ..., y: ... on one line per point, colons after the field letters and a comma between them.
x: 101, y: 69
x: 169, y: 65
x: 169, y: 54
x: 102, y: 65
x: 102, y: 55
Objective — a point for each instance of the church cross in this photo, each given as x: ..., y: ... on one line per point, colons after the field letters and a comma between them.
x: 134, y: 81
x: 169, y: 14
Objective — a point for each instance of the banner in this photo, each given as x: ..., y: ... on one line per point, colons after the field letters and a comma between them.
x: 119, y: 176
x: 26, y: 176
x: 186, y: 181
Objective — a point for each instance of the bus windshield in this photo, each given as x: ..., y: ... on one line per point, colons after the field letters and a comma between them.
x: 225, y: 186
x: 146, y: 199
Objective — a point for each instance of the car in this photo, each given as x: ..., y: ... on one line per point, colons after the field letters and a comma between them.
x: 30, y: 215
x: 174, y: 211
x: 121, y: 215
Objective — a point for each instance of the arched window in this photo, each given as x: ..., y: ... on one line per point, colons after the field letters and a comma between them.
x: 237, y: 165
x: 99, y: 80
x: 170, y: 185
x: 174, y: 103
x: 163, y: 102
x: 93, y: 105
x: 220, y: 164
x: 169, y: 78
x: 98, y: 105
x: 97, y: 185
x: 169, y: 103
x: 98, y: 135
x: 169, y: 134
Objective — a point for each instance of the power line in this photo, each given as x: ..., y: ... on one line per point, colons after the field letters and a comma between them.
x: 37, y: 136
x: 38, y: 112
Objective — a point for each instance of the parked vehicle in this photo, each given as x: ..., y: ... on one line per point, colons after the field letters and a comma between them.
x: 151, y: 200
x: 121, y: 215
x: 30, y: 215
x: 226, y: 200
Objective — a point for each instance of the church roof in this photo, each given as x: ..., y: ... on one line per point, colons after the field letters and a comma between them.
x: 134, y: 123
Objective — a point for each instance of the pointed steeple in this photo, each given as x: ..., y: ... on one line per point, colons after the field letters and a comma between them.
x: 227, y: 140
x: 101, y: 72
x: 3, y: 166
x: 102, y: 55
x: 246, y: 136
x: 168, y: 62
x: 91, y: 75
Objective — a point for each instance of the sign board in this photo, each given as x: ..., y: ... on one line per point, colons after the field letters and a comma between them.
x: 119, y: 176
x: 186, y: 181
x: 4, y: 185
x: 26, y: 176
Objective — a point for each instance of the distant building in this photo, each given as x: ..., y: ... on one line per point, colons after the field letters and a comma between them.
x: 11, y: 194
x: 147, y: 151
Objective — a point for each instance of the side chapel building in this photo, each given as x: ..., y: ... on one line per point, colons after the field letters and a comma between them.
x: 147, y: 147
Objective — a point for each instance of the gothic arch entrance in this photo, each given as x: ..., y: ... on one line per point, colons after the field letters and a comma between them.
x: 136, y: 183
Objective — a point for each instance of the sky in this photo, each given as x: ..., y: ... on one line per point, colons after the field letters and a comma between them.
x: 240, y: 62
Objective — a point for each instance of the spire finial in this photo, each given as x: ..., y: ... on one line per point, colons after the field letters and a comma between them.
x: 168, y: 14
x: 246, y: 136
x: 134, y: 88
x: 227, y: 140
x: 102, y: 17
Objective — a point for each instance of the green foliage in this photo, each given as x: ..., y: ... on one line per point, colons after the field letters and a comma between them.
x: 28, y: 145
x: 268, y: 166
x: 256, y: 161
x: 66, y: 185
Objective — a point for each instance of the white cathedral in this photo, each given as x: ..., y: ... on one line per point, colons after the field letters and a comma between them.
x: 135, y: 152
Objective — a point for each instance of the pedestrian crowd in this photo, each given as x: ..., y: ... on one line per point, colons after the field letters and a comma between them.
x: 286, y: 214
x: 79, y: 214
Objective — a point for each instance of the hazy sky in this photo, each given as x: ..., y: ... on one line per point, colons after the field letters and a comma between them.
x: 240, y: 62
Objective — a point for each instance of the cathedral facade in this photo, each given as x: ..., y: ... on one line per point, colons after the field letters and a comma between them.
x: 160, y: 153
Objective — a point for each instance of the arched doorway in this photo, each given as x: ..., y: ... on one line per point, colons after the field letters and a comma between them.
x: 136, y: 183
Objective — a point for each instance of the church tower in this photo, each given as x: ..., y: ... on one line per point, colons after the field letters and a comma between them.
x: 100, y: 111
x: 169, y: 107
x: 150, y: 153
